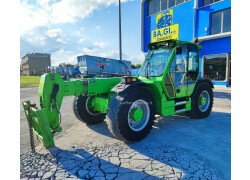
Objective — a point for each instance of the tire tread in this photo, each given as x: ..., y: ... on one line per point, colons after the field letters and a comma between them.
x: 79, y: 108
x: 115, y: 108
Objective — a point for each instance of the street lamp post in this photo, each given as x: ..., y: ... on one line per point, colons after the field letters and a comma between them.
x: 120, y: 33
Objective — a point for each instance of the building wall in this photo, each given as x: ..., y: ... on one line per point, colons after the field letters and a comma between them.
x: 31, y: 62
x: 194, y: 20
x: 221, y: 44
x: 183, y: 14
x: 203, y: 16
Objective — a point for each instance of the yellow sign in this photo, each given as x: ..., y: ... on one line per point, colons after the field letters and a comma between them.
x: 165, y: 29
x: 166, y: 33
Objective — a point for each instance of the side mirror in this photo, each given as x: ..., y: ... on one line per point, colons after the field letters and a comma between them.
x: 178, y: 50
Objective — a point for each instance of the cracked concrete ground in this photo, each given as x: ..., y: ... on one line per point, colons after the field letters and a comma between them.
x: 176, y: 148
x: 115, y: 162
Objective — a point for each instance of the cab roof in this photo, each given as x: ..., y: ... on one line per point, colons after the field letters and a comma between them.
x: 173, y: 42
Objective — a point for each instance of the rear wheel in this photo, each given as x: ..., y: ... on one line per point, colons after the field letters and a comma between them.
x: 85, y: 114
x: 202, y: 101
x: 131, y: 114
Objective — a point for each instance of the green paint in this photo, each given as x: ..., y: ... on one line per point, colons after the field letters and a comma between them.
x: 100, y: 103
x: 202, y: 100
x: 136, y: 114
x: 40, y: 124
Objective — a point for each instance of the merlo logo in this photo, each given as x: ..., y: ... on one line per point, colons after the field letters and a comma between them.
x: 164, y: 19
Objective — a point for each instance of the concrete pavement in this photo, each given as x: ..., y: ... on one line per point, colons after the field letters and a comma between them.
x: 176, y: 148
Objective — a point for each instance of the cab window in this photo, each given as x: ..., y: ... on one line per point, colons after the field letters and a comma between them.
x: 193, y: 58
x: 179, y: 63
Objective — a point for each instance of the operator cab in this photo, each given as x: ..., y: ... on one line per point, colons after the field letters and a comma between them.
x: 177, y: 62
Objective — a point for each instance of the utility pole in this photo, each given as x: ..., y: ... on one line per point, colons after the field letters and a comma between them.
x: 120, y: 33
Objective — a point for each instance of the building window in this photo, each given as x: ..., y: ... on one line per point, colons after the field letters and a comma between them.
x: 215, y: 67
x: 221, y: 21
x: 226, y: 20
x: 207, y: 2
x: 179, y: 2
x: 164, y: 4
x: 171, y: 3
x: 155, y: 6
x: 150, y: 7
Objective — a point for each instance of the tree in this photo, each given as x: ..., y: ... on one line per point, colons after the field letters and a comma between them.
x: 133, y: 66
x: 62, y: 65
x: 69, y: 65
x: 138, y: 66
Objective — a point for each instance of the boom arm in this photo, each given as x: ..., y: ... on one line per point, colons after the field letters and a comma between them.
x: 46, y: 121
x: 52, y: 89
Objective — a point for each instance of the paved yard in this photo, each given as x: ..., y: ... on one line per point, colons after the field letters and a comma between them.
x: 176, y: 148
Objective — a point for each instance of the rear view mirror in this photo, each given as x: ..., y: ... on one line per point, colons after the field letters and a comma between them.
x: 178, y: 50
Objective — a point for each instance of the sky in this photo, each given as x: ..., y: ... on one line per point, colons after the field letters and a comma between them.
x: 70, y: 28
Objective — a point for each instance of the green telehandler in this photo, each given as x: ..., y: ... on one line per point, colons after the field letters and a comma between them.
x: 167, y: 84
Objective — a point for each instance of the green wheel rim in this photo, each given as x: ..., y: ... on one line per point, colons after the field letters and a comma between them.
x: 141, y: 108
x: 89, y: 109
x: 204, y: 101
x: 136, y: 114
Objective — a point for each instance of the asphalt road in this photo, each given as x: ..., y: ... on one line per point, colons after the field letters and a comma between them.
x: 68, y: 117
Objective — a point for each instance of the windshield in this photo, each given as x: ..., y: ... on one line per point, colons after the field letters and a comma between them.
x: 156, y: 62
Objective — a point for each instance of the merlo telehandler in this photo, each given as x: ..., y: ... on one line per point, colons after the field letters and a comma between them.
x: 168, y: 83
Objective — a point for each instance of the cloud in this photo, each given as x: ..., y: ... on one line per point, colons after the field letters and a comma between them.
x: 45, y: 12
x: 136, y: 59
x: 97, y: 27
x: 54, y: 32
x: 82, y: 40
x: 40, y: 32
x: 62, y: 56
x: 73, y: 10
x: 80, y: 34
x: 43, y: 2
x: 44, y: 40
x: 61, y: 41
x: 113, y: 54
x: 89, y: 51
x: 101, y: 44
x: 32, y: 16
x: 96, y: 49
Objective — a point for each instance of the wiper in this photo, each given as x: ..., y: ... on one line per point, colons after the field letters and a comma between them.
x: 146, y: 69
x: 150, y: 55
x: 147, y: 63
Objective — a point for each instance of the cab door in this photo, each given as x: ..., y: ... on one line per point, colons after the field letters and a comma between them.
x: 178, y: 72
x: 184, y: 70
x: 192, y: 68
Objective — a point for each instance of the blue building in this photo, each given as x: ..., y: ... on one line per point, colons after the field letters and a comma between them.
x: 207, y: 20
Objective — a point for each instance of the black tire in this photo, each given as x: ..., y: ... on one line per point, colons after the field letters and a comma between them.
x: 195, y: 111
x: 79, y: 107
x: 117, y: 114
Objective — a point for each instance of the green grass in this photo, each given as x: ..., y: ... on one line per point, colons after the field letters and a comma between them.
x: 29, y: 81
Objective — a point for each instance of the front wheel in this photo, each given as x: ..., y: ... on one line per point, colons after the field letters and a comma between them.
x: 202, y: 101
x: 131, y: 114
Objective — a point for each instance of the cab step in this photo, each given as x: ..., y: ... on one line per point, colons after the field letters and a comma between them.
x: 180, y: 110
x: 180, y: 103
